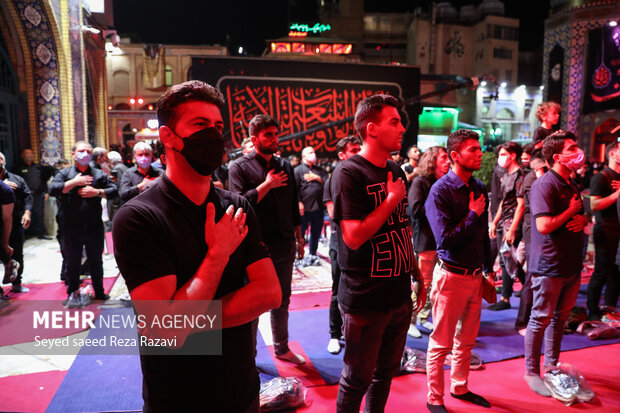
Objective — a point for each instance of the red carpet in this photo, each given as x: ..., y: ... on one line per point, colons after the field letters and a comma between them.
x: 29, y: 392
x: 310, y: 301
x: 54, y: 291
x: 502, y: 384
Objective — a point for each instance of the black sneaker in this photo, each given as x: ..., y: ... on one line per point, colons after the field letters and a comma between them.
x: 103, y: 297
x: 499, y: 306
x: 10, y: 271
x: 19, y: 288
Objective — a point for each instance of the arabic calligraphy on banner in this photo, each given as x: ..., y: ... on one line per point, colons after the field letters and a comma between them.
x: 299, y: 104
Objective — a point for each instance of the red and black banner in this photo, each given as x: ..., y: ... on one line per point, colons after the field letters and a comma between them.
x: 304, y: 95
x: 602, y: 82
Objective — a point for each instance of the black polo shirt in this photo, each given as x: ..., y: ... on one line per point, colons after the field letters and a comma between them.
x: 559, y: 253
x: 423, y: 239
x: 78, y: 211
x: 310, y: 192
x: 159, y: 233
x: 130, y: 179
x: 278, y: 211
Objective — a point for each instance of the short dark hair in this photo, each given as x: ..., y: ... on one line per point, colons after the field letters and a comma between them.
x: 341, y: 146
x: 458, y: 138
x: 554, y: 143
x: 428, y: 160
x: 75, y: 145
x: 610, y: 147
x: 529, y: 148
x: 193, y: 90
x: 262, y: 122
x: 512, y: 147
x: 369, y: 109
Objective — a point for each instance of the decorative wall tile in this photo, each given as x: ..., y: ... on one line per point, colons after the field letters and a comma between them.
x: 46, y: 77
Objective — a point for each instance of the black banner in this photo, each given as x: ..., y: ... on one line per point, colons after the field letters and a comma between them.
x: 304, y: 95
x: 602, y: 82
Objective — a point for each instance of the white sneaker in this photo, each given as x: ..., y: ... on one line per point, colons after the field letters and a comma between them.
x: 413, y: 331
x: 428, y: 325
x: 292, y: 357
x: 334, y: 346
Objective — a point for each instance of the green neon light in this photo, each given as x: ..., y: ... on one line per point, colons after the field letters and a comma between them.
x: 317, y: 28
x: 438, y: 121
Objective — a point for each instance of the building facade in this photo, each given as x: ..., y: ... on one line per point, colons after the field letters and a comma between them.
x: 52, y: 77
x: 137, y: 74
x: 581, y: 69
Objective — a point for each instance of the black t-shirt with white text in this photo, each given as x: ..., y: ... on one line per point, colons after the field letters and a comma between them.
x: 377, y: 275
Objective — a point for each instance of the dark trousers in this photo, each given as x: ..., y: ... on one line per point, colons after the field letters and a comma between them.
x: 37, y: 223
x: 315, y: 220
x: 335, y: 319
x: 283, y: 256
x: 374, y: 343
x: 605, y: 269
x: 90, y: 237
x: 525, y: 305
x: 16, y: 241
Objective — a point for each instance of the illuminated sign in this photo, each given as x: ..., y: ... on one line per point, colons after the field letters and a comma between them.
x: 297, y: 34
x: 319, y: 48
x: 317, y: 28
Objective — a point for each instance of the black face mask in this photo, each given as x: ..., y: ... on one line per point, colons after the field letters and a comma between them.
x: 204, y: 150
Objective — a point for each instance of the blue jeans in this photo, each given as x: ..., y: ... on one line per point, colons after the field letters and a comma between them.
x: 372, y: 353
x: 554, y: 298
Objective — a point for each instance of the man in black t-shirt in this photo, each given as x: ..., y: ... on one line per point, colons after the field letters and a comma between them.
x: 310, y: 179
x: 345, y: 148
x: 375, y: 255
x: 506, y: 225
x: 267, y: 182
x: 604, y: 191
x: 183, y: 239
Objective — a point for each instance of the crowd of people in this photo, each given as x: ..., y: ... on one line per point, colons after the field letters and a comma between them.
x: 411, y: 244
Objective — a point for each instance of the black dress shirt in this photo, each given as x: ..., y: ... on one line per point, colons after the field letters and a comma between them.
x: 36, y: 176
x: 310, y: 192
x: 278, y: 211
x: 78, y: 211
x: 130, y: 179
x: 23, y: 196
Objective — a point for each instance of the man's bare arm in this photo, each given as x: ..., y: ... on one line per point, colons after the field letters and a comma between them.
x: 261, y: 294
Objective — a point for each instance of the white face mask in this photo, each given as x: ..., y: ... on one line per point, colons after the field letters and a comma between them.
x: 502, y: 161
x: 311, y: 157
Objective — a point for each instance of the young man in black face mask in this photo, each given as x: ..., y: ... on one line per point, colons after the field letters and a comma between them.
x: 184, y: 239
x: 267, y: 181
